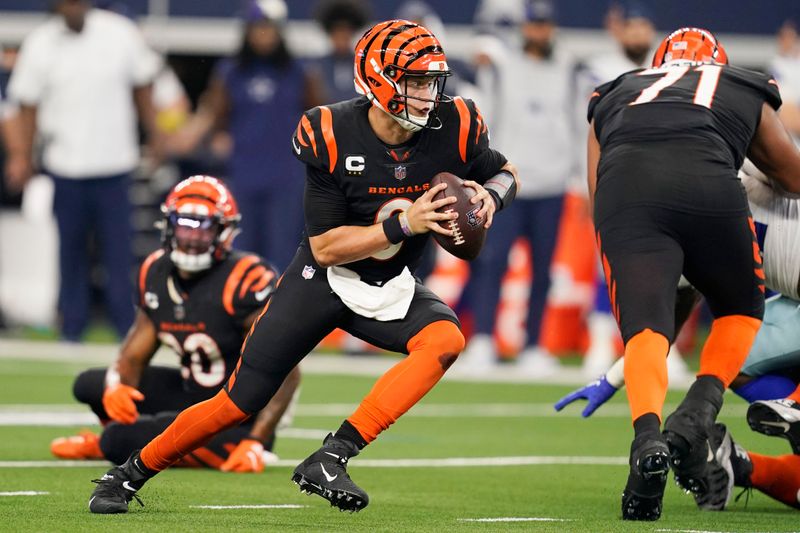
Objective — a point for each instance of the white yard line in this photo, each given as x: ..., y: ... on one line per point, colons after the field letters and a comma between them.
x: 692, y: 531
x: 443, y: 462
x: 25, y: 493
x: 54, y: 464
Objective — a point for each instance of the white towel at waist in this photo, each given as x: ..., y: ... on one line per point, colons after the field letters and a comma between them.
x: 390, y: 301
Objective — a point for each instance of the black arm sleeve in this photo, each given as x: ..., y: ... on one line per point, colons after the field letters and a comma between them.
x: 486, y: 164
x: 324, y: 202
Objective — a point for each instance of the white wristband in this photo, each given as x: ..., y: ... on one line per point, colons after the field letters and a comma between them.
x: 404, y: 225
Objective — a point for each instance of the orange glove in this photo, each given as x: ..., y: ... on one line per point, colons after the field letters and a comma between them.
x: 118, y: 403
x: 247, y: 457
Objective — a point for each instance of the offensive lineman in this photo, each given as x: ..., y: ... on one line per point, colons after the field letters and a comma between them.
x: 368, y: 208
x: 766, y: 376
x: 663, y: 153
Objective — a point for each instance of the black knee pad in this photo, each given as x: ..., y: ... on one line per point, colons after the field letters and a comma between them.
x: 89, y: 386
x: 116, y: 443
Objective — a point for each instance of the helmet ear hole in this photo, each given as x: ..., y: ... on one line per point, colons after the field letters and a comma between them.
x: 390, y: 72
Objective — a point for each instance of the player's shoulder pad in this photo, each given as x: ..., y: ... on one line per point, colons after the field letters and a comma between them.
x: 250, y: 281
x: 314, y: 139
x: 602, y: 90
x: 764, y: 83
x: 149, y: 268
x: 472, y: 128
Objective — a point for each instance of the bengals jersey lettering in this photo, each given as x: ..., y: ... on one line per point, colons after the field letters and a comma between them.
x: 353, y: 179
x: 717, y: 105
x: 203, y: 319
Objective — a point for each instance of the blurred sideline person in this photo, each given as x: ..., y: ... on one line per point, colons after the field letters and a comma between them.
x: 199, y: 297
x: 769, y: 378
x: 664, y: 147
x: 785, y: 67
x: 76, y: 80
x: 529, y: 94
x: 364, y: 238
x: 341, y: 20
x: 257, y: 96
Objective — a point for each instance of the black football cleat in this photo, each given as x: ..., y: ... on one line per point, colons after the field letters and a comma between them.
x: 325, y: 473
x: 778, y: 418
x: 118, y: 487
x: 693, y: 458
x: 721, y: 472
x: 649, y: 463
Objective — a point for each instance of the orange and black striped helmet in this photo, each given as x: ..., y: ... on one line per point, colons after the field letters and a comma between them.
x: 387, y: 56
x: 200, y: 221
x: 692, y: 44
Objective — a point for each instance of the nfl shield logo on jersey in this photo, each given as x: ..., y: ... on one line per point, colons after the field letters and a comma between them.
x: 308, y: 272
x: 400, y: 172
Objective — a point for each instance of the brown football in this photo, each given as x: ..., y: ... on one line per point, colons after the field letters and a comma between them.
x: 469, y: 233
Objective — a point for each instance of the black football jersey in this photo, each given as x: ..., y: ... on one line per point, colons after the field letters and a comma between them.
x: 203, y: 318
x: 353, y: 179
x: 714, y: 105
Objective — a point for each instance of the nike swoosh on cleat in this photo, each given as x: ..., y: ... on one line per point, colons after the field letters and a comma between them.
x: 91, y: 500
x: 332, y: 455
x: 784, y: 425
x: 126, y: 484
x: 327, y: 475
x: 710, y: 453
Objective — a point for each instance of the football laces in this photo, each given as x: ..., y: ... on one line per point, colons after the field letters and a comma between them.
x: 458, y: 238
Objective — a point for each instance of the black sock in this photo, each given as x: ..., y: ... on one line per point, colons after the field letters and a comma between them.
x: 706, y: 393
x: 137, y: 464
x: 647, y: 423
x: 349, y: 433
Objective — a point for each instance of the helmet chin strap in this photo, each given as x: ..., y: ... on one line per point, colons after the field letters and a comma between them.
x: 191, y: 262
x: 410, y: 123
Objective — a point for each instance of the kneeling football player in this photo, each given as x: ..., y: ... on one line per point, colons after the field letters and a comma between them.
x: 198, y: 297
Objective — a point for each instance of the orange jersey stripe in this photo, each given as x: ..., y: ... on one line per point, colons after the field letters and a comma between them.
x: 232, y: 379
x: 234, y: 279
x: 463, y: 132
x: 326, y: 124
x: 254, y: 274
x: 310, y: 132
x: 299, y: 134
x: 144, y: 269
x: 262, y: 282
x: 252, y: 328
